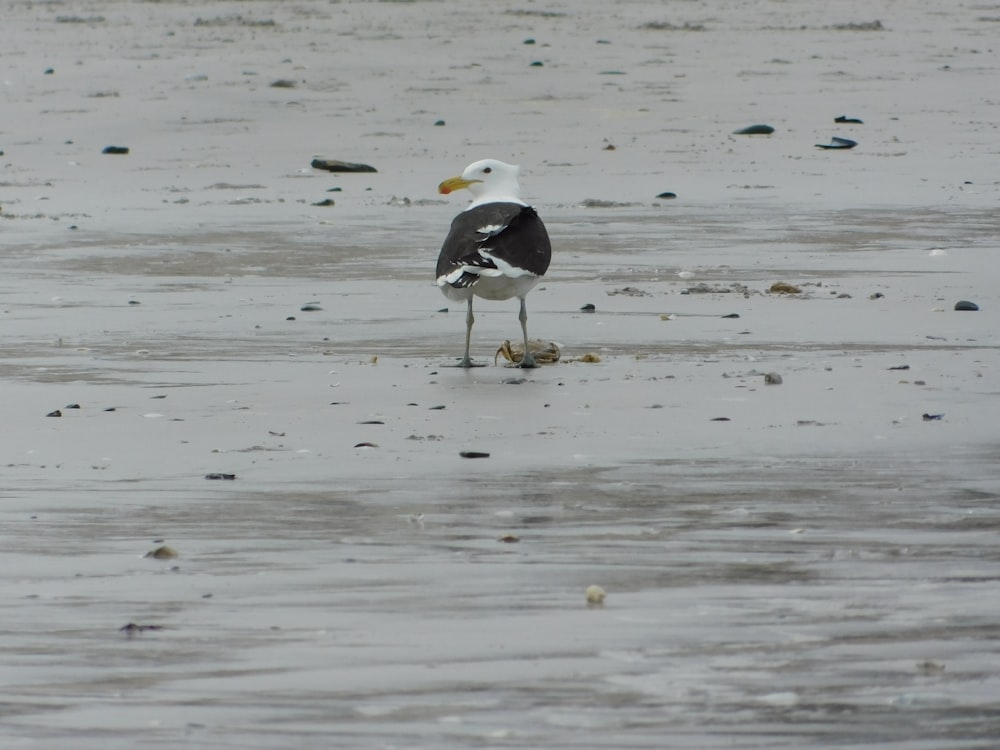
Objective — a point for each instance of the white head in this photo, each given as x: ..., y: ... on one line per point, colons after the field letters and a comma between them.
x: 489, y: 181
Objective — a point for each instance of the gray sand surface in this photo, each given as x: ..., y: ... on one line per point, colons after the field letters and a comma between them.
x: 808, y: 564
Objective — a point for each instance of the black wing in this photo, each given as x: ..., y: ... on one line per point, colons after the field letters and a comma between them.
x: 509, y: 232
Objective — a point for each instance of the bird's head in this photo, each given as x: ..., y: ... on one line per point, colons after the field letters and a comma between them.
x: 487, y: 180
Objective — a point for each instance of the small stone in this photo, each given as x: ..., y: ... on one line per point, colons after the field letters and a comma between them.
x: 325, y: 203
x: 965, y: 305
x: 772, y: 378
x: 933, y: 417
x: 115, y: 150
x: 509, y: 539
x: 667, y: 195
x: 335, y: 165
x: 220, y: 475
x: 848, y: 120
x: 537, y: 64
x: 595, y: 596
x: 55, y: 413
x: 311, y: 307
x: 439, y: 124
x: 588, y: 308
x: 163, y: 552
x: 731, y: 315
x: 838, y: 143
x: 473, y: 454
x: 754, y: 130
x: 283, y: 83
x: 783, y: 287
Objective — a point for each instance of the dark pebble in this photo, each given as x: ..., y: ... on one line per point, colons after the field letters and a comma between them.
x: 283, y: 83
x: 437, y: 408
x: 325, y: 202
x: 754, y: 130
x: 731, y: 315
x: 372, y: 421
x: 115, y: 150
x: 55, y: 413
x: 514, y: 381
x: 473, y: 454
x: 365, y: 445
x: 134, y: 302
x: 290, y: 317
x: 132, y: 628
x: 72, y: 406
x: 720, y: 419
x: 310, y: 307
x: 536, y: 64
x: 850, y: 120
x: 933, y: 417
x: 900, y: 367
x: 219, y: 475
x: 838, y: 143
x: 589, y: 307
x: 966, y: 306
x: 335, y: 165
x: 439, y: 124
x: 529, y: 41
x: 667, y: 195
x: 111, y: 408
x: 49, y: 71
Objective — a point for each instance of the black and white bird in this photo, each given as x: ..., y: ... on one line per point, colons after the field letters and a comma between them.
x: 497, y: 247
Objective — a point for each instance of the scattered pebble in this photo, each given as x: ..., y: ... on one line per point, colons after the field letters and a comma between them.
x: 849, y: 120
x: 335, y: 165
x: 134, y: 629
x: 588, y: 308
x: 838, y: 143
x: 509, y: 539
x: 667, y: 195
x: 439, y: 124
x: 283, y: 83
x: 754, y: 130
x: 966, y: 305
x: 163, y: 552
x: 782, y: 287
x: 900, y: 367
x: 473, y: 454
x: 310, y: 307
x: 933, y: 417
x: 72, y: 406
x: 366, y: 445
x: 720, y: 419
x: 731, y: 315
x: 773, y: 378
x: 326, y: 202
x: 115, y: 150
x: 595, y: 596
x: 220, y: 475
x: 55, y: 413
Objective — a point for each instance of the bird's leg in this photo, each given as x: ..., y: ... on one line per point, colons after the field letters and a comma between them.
x: 469, y: 320
x: 527, y: 361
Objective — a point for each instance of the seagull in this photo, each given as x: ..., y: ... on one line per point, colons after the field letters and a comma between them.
x: 497, y: 247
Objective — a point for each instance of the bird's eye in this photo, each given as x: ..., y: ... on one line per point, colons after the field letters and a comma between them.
x: 487, y: 170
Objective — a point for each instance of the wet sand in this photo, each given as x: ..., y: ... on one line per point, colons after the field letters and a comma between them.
x: 808, y: 564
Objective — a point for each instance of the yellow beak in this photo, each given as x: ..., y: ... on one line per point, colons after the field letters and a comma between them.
x: 454, y: 183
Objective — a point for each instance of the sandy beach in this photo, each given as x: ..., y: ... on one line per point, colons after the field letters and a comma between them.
x: 210, y: 346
